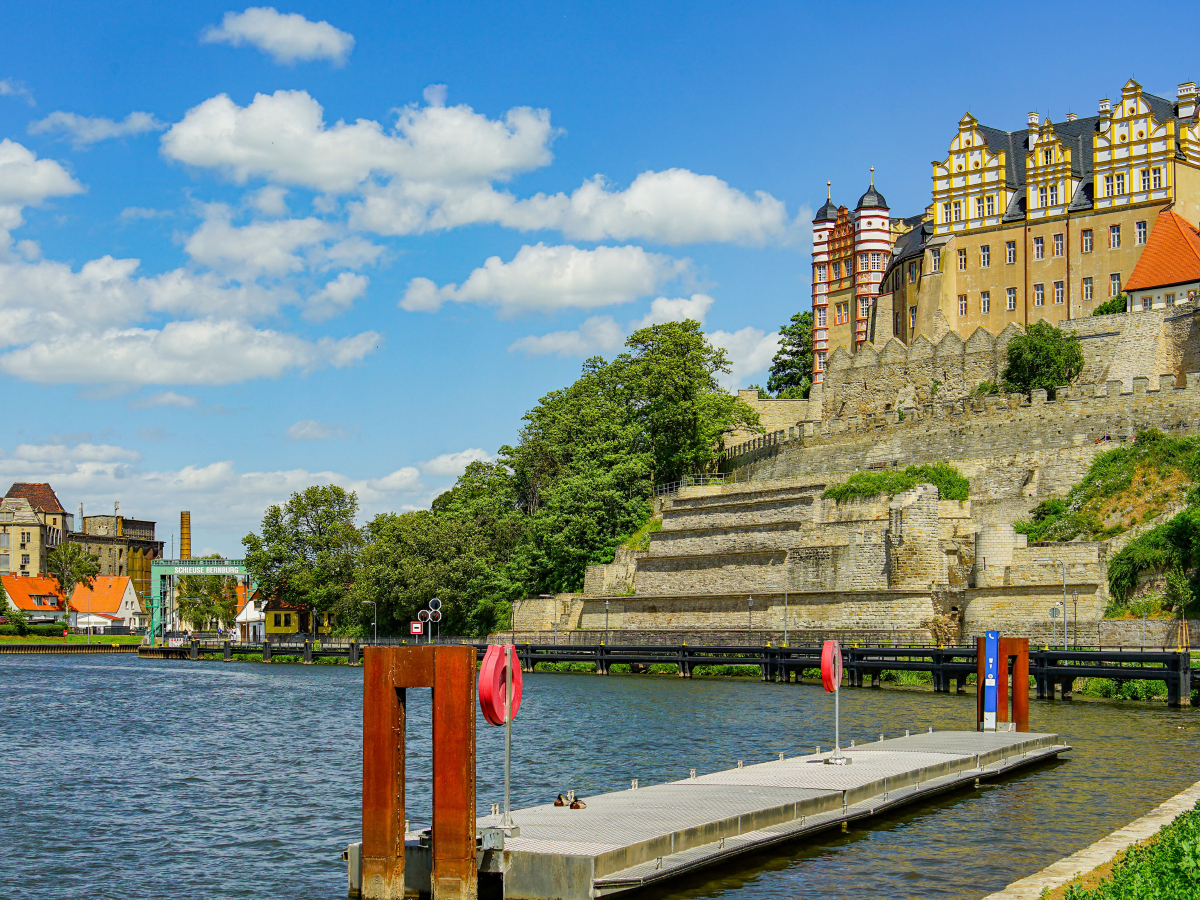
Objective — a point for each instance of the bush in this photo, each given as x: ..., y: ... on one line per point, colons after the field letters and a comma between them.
x: 951, y: 484
x: 1043, y: 357
x: 13, y: 629
x: 1115, y: 305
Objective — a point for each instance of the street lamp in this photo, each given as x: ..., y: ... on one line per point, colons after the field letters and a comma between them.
x: 375, y: 610
x: 1064, y: 599
x: 606, y: 639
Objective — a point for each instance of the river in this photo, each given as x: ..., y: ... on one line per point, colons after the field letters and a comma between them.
x: 127, y: 778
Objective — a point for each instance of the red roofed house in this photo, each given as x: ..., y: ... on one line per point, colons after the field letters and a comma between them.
x: 111, y: 600
x: 1168, y: 271
x: 36, y: 595
x: 32, y: 523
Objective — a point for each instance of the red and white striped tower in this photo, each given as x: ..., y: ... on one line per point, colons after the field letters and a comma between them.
x: 872, y: 249
x: 822, y: 232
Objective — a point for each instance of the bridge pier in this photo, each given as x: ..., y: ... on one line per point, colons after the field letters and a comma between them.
x: 354, y: 654
x: 685, y: 663
x: 194, y: 649
x: 266, y: 651
x: 602, y: 661
x: 228, y: 652
x: 308, y: 657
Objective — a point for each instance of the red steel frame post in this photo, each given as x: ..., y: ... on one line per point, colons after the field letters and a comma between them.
x: 450, y: 672
x: 1014, y: 647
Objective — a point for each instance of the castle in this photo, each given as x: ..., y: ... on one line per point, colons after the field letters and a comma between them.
x: 1042, y: 223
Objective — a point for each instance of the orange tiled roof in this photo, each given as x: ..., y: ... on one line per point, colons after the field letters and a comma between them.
x: 104, y: 596
x: 40, y: 496
x: 22, y: 589
x: 1171, y: 256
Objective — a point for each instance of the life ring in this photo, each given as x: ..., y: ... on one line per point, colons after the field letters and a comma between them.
x: 492, y: 677
x: 831, y: 665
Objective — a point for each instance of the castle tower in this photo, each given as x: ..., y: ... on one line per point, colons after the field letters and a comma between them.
x: 823, y: 226
x: 872, y: 250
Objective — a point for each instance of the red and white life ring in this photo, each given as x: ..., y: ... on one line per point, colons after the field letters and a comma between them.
x: 492, y: 678
x: 831, y: 665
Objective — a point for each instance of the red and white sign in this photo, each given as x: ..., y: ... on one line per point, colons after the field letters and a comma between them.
x: 416, y: 627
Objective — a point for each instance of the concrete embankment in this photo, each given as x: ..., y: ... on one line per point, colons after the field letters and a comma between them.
x: 1103, y: 851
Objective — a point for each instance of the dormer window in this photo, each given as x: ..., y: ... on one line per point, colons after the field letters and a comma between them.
x: 1047, y: 157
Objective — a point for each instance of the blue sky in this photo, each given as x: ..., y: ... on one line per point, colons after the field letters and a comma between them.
x: 244, y: 250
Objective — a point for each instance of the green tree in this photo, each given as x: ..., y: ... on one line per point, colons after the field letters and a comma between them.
x: 791, y: 369
x: 306, y: 554
x: 208, y: 599
x: 1043, y: 357
x: 1117, y: 304
x: 71, y: 565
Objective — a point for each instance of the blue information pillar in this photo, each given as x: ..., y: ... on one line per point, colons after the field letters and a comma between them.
x: 991, y: 673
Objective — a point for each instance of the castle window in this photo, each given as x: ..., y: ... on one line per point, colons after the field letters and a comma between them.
x: 1058, y: 245
x: 862, y: 262
x: 936, y: 259
x: 962, y: 304
x: 1039, y: 295
x: 912, y: 319
x: 1145, y: 179
x: 1114, y: 237
x: 1058, y: 293
x: 1042, y: 198
x: 985, y: 256
x: 985, y: 302
x: 820, y: 360
x: 1148, y: 301
x: 1114, y: 284
x: 821, y: 311
x: 1039, y: 248
x: 1108, y: 185
x: 962, y: 260
x: 1087, y: 240
x: 957, y: 210
x: 1047, y: 156
x: 821, y: 272
x: 1010, y: 252
x: 1156, y: 173
x: 979, y: 207
x: 1054, y: 195
x: 1170, y: 299
x: 864, y: 307
x: 1120, y: 182
x: 991, y: 205
x: 1087, y: 290
x: 946, y: 211
x: 1141, y: 232
x: 1012, y: 298
x: 876, y: 262
x: 912, y: 273
x: 837, y: 270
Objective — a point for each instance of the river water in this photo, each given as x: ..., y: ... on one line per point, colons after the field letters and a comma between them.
x: 127, y: 778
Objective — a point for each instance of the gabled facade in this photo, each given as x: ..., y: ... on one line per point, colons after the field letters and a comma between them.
x: 37, y: 596
x: 110, y: 600
x: 1168, y: 272
x: 32, y: 523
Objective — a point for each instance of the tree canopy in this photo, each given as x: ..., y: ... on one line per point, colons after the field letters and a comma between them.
x: 1043, y: 357
x: 208, y: 599
x: 791, y: 369
x: 71, y: 564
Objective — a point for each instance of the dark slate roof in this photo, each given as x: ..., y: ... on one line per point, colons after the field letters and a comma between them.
x: 909, y: 245
x: 40, y: 496
x: 1162, y: 108
x: 1083, y: 196
x: 827, y: 213
x: 871, y: 199
x: 1078, y: 136
x: 1016, y: 208
x: 1015, y: 145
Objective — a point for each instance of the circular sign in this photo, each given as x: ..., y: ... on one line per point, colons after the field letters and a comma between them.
x: 423, y: 615
x: 831, y: 665
x: 435, y: 616
x: 435, y: 604
x: 1054, y: 612
x: 493, y: 675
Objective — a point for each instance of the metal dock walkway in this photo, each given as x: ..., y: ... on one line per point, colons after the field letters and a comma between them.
x: 634, y: 838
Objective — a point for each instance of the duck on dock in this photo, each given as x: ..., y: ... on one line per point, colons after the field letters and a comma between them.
x: 560, y: 800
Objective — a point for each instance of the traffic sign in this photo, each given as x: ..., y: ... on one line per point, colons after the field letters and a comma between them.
x: 435, y: 604
x: 435, y: 616
x: 423, y: 615
x: 416, y: 627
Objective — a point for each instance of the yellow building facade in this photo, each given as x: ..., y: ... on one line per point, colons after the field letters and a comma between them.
x: 1043, y: 223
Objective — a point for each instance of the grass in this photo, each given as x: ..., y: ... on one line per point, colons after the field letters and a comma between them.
x: 640, y: 539
x: 73, y: 639
x: 950, y: 483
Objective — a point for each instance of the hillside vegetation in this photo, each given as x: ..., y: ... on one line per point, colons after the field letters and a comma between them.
x: 951, y: 483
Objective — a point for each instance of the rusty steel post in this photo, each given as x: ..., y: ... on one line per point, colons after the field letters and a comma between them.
x: 450, y: 672
x: 1018, y: 648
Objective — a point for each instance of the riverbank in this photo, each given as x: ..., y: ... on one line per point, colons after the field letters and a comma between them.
x: 1089, y: 867
x: 72, y: 639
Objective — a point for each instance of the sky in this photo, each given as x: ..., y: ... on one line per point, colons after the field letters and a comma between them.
x: 248, y: 249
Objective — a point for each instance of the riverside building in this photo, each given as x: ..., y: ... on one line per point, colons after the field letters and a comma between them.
x: 1046, y: 222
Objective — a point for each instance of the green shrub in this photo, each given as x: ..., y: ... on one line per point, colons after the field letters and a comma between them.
x: 13, y: 629
x: 1108, y: 307
x: 951, y: 484
x: 1043, y: 357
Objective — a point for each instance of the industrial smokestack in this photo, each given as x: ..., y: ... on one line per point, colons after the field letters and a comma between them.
x: 185, y: 535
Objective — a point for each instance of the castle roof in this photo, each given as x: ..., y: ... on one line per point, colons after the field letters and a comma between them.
x: 40, y: 496
x: 872, y: 199
x: 1171, y: 255
x: 827, y: 213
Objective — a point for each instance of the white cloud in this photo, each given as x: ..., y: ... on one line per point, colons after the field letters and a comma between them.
x: 435, y: 94
x: 406, y: 479
x: 546, y: 279
x: 286, y: 38
x: 336, y: 297
x: 78, y: 453
x: 267, y: 248
x: 750, y: 351
x: 312, y: 430
x: 271, y: 201
x: 675, y: 309
x: 26, y: 180
x: 283, y: 138
x: 135, y: 213
x: 165, y: 398
x: 10, y: 88
x: 193, y: 352
x: 86, y: 130
x: 451, y: 465
x: 599, y: 334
